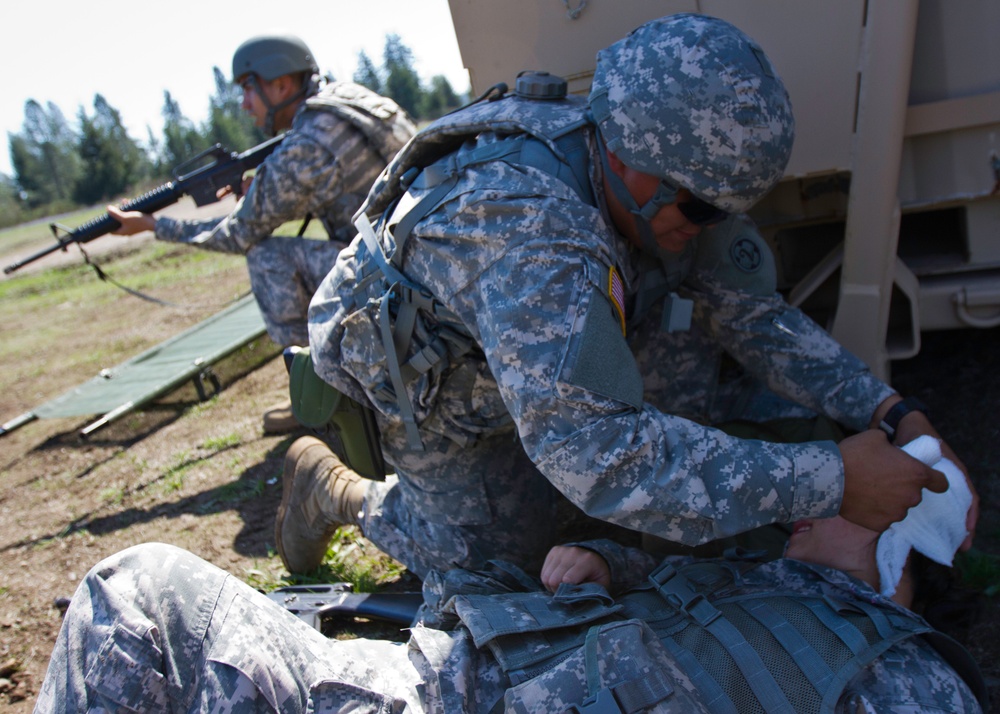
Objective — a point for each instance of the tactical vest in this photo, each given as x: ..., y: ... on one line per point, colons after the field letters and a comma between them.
x: 743, y: 648
x: 381, y: 120
x: 548, y: 135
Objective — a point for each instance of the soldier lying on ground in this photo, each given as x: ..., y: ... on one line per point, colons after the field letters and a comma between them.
x: 341, y: 136
x: 562, y: 298
x: 156, y: 628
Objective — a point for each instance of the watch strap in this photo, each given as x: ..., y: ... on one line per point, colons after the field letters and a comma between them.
x: 890, y: 422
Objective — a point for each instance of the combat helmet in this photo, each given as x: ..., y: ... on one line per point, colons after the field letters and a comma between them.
x: 268, y: 57
x: 271, y: 56
x: 694, y: 101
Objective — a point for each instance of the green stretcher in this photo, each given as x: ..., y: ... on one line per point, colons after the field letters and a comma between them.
x: 188, y: 355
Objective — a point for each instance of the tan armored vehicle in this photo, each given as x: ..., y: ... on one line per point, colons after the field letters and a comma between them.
x: 887, y: 222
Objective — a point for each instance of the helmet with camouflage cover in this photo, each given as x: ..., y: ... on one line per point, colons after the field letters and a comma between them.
x: 271, y: 56
x: 692, y: 100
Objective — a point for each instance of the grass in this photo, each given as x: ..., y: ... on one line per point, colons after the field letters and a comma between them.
x: 218, y: 443
x: 42, y: 313
x: 348, y: 559
x: 236, y: 491
x: 113, y: 496
x: 19, y: 237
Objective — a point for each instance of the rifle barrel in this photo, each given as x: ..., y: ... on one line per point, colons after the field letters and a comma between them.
x: 32, y: 258
x: 160, y: 197
x: 149, y: 202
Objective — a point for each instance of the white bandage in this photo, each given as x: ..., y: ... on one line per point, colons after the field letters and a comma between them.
x: 934, y: 527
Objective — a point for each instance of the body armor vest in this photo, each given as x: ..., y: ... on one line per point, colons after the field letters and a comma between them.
x: 745, y: 648
x: 382, y: 121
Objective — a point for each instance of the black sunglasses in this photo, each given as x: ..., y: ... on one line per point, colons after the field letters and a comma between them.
x: 702, y: 213
x: 697, y: 211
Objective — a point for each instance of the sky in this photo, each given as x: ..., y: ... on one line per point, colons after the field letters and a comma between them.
x: 65, y: 52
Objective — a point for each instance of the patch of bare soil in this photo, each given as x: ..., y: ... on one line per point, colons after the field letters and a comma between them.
x: 203, y: 476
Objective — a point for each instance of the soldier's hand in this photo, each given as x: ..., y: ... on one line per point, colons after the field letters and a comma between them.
x: 916, y: 424
x: 132, y: 222
x: 244, y: 187
x: 882, y: 482
x: 570, y: 564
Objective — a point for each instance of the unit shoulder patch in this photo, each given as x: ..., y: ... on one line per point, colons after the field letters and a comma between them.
x: 746, y: 255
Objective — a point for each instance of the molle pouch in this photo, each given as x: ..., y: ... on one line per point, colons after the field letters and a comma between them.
x: 321, y: 407
x: 621, y: 668
x: 528, y: 632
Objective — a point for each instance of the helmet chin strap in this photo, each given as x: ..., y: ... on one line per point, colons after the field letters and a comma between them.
x: 273, y: 109
x: 641, y: 215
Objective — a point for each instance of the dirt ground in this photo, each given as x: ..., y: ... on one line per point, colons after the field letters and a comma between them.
x: 205, y: 477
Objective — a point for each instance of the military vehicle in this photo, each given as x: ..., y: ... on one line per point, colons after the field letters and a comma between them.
x: 887, y: 222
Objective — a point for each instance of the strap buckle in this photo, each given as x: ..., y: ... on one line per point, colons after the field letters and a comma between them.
x: 677, y: 591
x: 604, y: 702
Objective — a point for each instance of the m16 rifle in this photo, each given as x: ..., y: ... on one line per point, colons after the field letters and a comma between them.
x: 311, y: 603
x: 202, y: 178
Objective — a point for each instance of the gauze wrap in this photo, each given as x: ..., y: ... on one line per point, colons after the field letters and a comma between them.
x: 934, y: 527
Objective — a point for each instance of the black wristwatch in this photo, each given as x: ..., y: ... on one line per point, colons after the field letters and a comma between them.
x: 890, y: 422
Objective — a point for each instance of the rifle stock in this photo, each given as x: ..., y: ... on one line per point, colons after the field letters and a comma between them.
x: 202, y: 184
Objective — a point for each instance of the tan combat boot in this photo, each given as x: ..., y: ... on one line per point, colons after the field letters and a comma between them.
x: 280, y: 419
x: 319, y: 494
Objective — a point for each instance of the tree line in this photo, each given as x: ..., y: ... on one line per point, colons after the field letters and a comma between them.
x: 58, y: 166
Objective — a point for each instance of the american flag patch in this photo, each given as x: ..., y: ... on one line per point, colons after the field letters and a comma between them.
x: 616, y: 291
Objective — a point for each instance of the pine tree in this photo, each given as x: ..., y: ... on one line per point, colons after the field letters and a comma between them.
x: 402, y: 84
x: 366, y: 74
x: 11, y: 203
x: 44, y: 155
x: 181, y: 139
x: 112, y: 161
x: 439, y: 99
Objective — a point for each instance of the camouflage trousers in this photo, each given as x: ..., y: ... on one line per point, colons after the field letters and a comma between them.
x: 284, y: 274
x: 154, y: 628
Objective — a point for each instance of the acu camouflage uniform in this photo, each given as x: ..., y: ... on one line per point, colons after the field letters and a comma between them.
x: 549, y: 353
x: 323, y: 168
x: 156, y: 628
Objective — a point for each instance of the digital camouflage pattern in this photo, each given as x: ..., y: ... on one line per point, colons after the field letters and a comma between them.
x: 628, y: 656
x: 693, y: 100
x: 156, y: 628
x: 520, y: 264
x: 323, y: 168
